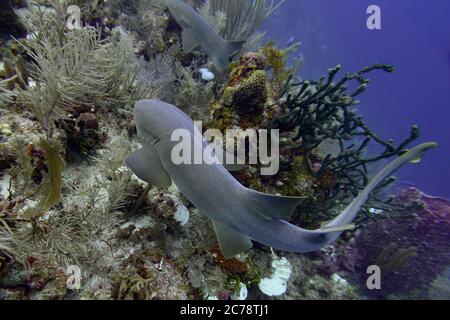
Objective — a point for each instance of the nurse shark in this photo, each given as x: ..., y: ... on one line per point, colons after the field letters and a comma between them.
x: 239, y: 214
x: 197, y: 32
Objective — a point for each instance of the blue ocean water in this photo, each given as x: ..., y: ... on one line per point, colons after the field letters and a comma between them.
x: 415, y: 37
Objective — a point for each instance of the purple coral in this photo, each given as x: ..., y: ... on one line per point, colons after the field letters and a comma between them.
x: 427, y: 231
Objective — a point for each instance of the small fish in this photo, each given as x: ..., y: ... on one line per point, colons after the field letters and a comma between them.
x: 239, y: 214
x: 198, y: 32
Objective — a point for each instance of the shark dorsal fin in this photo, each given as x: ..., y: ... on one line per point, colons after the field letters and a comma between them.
x: 270, y: 206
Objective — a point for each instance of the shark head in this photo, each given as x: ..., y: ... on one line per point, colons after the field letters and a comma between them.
x: 146, y: 115
x: 157, y: 120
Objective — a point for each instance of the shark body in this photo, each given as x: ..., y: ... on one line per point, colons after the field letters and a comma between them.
x: 239, y: 214
x: 197, y: 32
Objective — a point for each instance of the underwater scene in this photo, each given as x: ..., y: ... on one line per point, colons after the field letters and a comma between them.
x: 224, y: 150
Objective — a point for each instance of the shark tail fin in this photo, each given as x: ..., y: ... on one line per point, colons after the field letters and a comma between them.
x: 233, y: 47
x: 270, y: 206
x: 354, y: 207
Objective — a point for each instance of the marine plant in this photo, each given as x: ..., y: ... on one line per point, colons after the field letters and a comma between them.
x: 72, y: 67
x: 6, y: 95
x: 6, y: 240
x: 218, y: 19
x: 69, y: 232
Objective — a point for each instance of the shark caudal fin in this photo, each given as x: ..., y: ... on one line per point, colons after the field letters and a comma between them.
x: 270, y: 206
x: 411, y: 156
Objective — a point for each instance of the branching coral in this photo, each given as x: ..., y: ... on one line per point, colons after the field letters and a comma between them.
x: 322, y: 111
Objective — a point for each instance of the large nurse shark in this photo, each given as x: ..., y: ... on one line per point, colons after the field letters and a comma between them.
x: 239, y: 214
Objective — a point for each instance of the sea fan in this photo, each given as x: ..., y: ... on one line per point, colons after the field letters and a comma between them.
x: 413, y: 249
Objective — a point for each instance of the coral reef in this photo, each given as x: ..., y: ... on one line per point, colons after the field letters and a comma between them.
x: 66, y: 199
x: 411, y: 247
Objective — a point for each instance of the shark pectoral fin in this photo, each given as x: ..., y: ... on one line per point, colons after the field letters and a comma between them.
x: 147, y: 166
x: 231, y: 242
x: 270, y: 206
x: 345, y: 227
x: 189, y: 41
x: 233, y: 47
